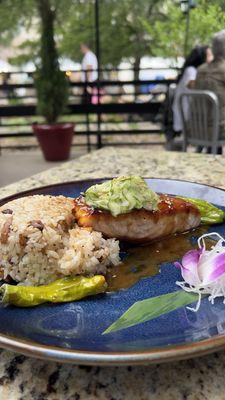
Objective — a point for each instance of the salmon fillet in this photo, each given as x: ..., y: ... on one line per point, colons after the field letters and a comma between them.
x: 172, y: 216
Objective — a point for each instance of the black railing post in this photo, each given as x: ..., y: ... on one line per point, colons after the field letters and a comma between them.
x: 187, y: 29
x: 186, y: 6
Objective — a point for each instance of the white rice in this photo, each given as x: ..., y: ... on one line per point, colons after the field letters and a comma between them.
x: 40, y: 242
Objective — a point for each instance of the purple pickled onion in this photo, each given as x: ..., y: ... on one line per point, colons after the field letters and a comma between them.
x: 203, y: 270
x: 189, y: 269
x: 211, y: 268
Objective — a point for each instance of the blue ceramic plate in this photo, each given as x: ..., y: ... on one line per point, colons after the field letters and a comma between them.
x: 72, y: 332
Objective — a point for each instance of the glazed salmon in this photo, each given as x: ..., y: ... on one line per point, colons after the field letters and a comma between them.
x: 172, y: 216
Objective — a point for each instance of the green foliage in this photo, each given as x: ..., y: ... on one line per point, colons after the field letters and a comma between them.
x: 13, y: 15
x: 51, y: 94
x: 122, y: 34
x: 50, y: 82
x: 129, y: 29
x: 29, y: 51
x: 205, y: 20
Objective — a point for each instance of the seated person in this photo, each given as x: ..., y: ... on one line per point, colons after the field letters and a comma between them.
x: 186, y: 80
x: 212, y: 76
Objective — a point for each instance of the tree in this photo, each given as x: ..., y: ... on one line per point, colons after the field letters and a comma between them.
x: 122, y: 33
x: 206, y: 19
x: 129, y: 29
x: 24, y: 14
x: 13, y: 15
x: 50, y: 82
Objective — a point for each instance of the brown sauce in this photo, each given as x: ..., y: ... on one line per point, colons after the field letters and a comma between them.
x: 144, y: 261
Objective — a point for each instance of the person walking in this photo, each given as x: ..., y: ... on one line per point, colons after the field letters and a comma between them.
x: 89, y: 72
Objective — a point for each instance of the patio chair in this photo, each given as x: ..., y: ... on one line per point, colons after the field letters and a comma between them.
x: 200, y: 117
x: 173, y: 141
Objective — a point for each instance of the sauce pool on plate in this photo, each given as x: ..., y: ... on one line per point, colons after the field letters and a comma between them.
x: 144, y: 261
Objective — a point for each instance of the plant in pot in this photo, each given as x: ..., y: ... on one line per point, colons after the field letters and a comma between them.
x: 51, y: 84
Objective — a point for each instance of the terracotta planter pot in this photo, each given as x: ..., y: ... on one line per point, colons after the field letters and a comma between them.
x: 55, y: 140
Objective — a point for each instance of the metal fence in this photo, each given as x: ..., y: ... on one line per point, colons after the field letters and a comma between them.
x: 143, y: 98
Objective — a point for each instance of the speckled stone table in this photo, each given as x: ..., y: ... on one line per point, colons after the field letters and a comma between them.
x: 199, y: 379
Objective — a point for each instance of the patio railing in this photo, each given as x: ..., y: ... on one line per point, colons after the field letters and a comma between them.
x: 144, y: 98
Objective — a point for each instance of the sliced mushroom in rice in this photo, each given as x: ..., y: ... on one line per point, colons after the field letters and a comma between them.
x: 7, y: 211
x: 37, y: 224
x: 6, y: 230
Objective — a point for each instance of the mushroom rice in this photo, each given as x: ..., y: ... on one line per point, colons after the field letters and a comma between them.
x: 40, y: 242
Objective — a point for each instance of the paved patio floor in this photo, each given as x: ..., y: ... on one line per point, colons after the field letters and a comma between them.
x: 19, y: 164
x: 16, y: 164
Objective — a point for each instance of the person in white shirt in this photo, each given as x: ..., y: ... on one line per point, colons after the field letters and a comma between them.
x: 89, y: 71
x: 186, y: 80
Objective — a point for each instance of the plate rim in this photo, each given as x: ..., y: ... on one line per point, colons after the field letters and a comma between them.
x: 20, y: 194
x: 156, y: 355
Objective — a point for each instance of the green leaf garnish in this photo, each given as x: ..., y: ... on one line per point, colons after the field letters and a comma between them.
x: 148, y: 309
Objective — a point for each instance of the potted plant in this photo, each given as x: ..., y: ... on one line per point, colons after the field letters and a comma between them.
x: 52, y: 92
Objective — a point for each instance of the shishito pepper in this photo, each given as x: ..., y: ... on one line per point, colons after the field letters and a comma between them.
x: 209, y: 214
x: 61, y: 290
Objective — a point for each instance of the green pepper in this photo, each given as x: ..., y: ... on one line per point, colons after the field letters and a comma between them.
x: 209, y: 214
x: 61, y: 290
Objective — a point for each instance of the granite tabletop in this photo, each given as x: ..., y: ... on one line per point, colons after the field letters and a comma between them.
x: 23, y: 378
